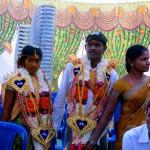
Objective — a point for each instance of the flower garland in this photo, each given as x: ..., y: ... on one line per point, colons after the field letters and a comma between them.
x: 100, y: 69
x: 81, y: 119
x: 37, y: 112
x: 43, y: 86
x: 82, y: 85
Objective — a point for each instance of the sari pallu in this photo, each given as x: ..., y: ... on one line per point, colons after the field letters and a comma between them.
x: 134, y: 100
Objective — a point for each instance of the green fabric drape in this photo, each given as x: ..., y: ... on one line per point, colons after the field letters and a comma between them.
x: 8, y: 27
x: 68, y: 40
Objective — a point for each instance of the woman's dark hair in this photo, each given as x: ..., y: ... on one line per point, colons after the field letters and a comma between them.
x: 28, y: 51
x: 132, y: 54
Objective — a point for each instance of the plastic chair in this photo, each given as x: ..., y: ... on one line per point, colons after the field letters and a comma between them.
x: 8, y: 132
x: 112, y: 132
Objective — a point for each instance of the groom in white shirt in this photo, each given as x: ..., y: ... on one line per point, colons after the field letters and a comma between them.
x: 138, y: 138
x: 91, y: 79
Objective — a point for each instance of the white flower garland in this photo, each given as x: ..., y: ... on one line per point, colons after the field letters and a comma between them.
x: 100, y: 69
x: 43, y: 84
x: 100, y: 77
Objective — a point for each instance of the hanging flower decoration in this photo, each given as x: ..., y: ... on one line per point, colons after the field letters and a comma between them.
x: 138, y: 40
x: 119, y: 12
x: 95, y: 11
x: 142, y: 9
x: 27, y: 4
x: 7, y: 46
x: 118, y: 33
x: 67, y: 39
x: 72, y: 31
x: 142, y: 31
x: 72, y: 10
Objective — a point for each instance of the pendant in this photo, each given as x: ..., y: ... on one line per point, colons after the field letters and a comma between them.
x: 77, y: 69
x: 19, y: 83
x: 43, y: 136
x: 81, y: 124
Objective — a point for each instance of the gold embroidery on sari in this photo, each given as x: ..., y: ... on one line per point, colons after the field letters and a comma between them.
x: 147, y: 100
x: 127, y: 95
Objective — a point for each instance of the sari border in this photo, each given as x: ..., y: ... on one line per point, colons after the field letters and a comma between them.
x: 128, y: 94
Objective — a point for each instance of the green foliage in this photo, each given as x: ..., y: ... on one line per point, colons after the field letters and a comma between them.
x: 8, y: 27
x: 67, y: 41
x: 119, y: 39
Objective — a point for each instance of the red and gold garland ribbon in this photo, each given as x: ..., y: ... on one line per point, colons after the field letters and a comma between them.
x: 78, y: 92
x: 78, y: 147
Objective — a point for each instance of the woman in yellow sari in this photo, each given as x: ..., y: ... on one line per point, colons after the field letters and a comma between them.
x: 133, y: 92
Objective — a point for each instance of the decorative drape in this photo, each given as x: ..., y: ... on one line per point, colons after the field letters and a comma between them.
x: 11, y: 15
x: 119, y: 39
x: 122, y: 27
x: 104, y: 20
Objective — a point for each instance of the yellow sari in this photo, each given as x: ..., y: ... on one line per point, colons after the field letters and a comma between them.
x: 133, y: 98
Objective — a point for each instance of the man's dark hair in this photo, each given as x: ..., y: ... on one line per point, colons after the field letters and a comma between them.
x: 98, y: 36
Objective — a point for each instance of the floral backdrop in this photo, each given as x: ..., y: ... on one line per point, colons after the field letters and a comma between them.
x: 122, y: 27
